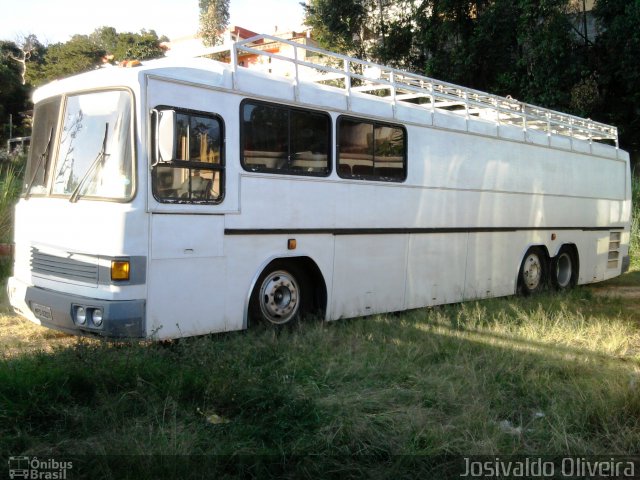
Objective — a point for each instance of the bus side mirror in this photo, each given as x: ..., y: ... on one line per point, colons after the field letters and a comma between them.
x: 166, y: 135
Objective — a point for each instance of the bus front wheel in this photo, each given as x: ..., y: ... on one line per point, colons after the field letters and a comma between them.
x: 278, y: 295
x: 533, y: 272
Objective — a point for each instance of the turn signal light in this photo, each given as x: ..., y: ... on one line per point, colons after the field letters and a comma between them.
x: 120, y: 270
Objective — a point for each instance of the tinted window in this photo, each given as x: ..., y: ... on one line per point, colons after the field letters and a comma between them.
x: 371, y: 150
x: 287, y: 140
x: 196, y: 175
x: 42, y: 139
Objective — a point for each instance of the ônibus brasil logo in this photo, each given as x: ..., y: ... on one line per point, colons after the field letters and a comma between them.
x: 37, y: 469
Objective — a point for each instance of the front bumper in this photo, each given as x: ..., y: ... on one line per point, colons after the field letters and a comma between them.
x: 121, y: 318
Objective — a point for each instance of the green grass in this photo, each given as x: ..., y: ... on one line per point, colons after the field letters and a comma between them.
x: 553, y: 374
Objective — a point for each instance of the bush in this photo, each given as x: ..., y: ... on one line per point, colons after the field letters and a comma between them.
x: 11, y: 172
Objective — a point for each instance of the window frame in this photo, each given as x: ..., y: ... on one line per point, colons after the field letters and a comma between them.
x: 56, y: 141
x: 375, y: 124
x: 54, y: 164
x: 287, y: 171
x: 46, y: 165
x: 188, y: 164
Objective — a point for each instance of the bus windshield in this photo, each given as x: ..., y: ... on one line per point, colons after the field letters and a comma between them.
x: 94, y: 156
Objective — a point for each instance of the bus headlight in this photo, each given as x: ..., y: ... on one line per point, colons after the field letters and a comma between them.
x: 96, y: 316
x: 81, y: 315
x: 120, y: 270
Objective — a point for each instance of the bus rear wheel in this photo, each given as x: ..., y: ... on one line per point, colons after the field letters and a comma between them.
x: 278, y: 295
x: 533, y: 272
x: 564, y: 269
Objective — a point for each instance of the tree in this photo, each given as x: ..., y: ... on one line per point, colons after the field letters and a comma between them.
x: 341, y: 25
x: 105, y: 38
x: 617, y: 51
x: 27, y: 47
x: 137, y: 46
x: 87, y: 52
x: 501, y: 46
x: 127, y: 46
x: 14, y: 95
x: 75, y: 56
x: 214, y: 18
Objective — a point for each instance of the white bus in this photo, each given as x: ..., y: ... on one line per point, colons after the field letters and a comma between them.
x: 183, y: 197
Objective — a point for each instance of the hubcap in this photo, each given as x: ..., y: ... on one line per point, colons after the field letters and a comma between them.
x: 532, y: 271
x: 279, y: 297
x: 563, y: 270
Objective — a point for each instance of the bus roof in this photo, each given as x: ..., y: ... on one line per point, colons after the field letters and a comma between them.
x: 311, y: 64
x: 305, y: 66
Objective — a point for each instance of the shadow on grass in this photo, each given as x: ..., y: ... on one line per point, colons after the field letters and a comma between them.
x: 353, y: 397
x: 357, y: 398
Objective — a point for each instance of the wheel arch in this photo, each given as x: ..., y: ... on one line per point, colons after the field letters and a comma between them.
x: 303, y: 262
x: 572, y: 248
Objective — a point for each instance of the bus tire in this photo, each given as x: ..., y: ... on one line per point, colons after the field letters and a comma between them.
x: 533, y: 272
x: 564, y: 269
x: 279, y: 294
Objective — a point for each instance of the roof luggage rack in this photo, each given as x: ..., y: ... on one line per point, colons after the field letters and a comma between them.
x: 312, y: 64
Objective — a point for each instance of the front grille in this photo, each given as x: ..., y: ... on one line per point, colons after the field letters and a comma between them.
x: 69, y: 267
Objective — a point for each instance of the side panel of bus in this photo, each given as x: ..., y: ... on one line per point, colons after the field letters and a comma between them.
x: 187, y: 273
x: 471, y: 206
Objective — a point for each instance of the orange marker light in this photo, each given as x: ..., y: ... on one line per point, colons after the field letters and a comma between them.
x: 120, y: 270
x: 292, y: 244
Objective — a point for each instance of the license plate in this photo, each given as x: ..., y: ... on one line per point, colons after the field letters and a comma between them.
x: 41, y: 312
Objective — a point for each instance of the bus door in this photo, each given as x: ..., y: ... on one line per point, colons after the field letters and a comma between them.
x: 187, y: 269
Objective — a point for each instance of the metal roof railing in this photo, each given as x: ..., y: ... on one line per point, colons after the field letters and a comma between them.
x: 312, y: 64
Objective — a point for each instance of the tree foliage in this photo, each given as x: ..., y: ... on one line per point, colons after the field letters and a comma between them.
x: 617, y: 67
x: 341, y: 25
x: 64, y: 59
x: 28, y: 49
x: 27, y: 63
x: 87, y: 52
x: 537, y: 51
x: 214, y: 18
x: 137, y: 46
x: 13, y: 94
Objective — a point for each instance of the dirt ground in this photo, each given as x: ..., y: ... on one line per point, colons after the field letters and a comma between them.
x: 625, y: 287
x: 624, y: 292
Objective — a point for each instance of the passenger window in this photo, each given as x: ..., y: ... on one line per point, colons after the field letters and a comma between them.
x: 277, y: 139
x: 370, y: 150
x: 196, y: 174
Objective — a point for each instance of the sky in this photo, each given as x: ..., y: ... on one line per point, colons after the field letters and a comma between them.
x: 55, y: 21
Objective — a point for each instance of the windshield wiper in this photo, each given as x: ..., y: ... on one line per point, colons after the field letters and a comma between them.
x: 43, y: 155
x: 102, y: 155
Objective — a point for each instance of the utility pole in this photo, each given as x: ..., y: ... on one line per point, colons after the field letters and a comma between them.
x: 381, y: 24
x: 584, y: 21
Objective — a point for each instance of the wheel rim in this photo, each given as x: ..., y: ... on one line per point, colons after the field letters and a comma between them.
x: 532, y: 271
x: 564, y: 270
x: 279, y: 297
